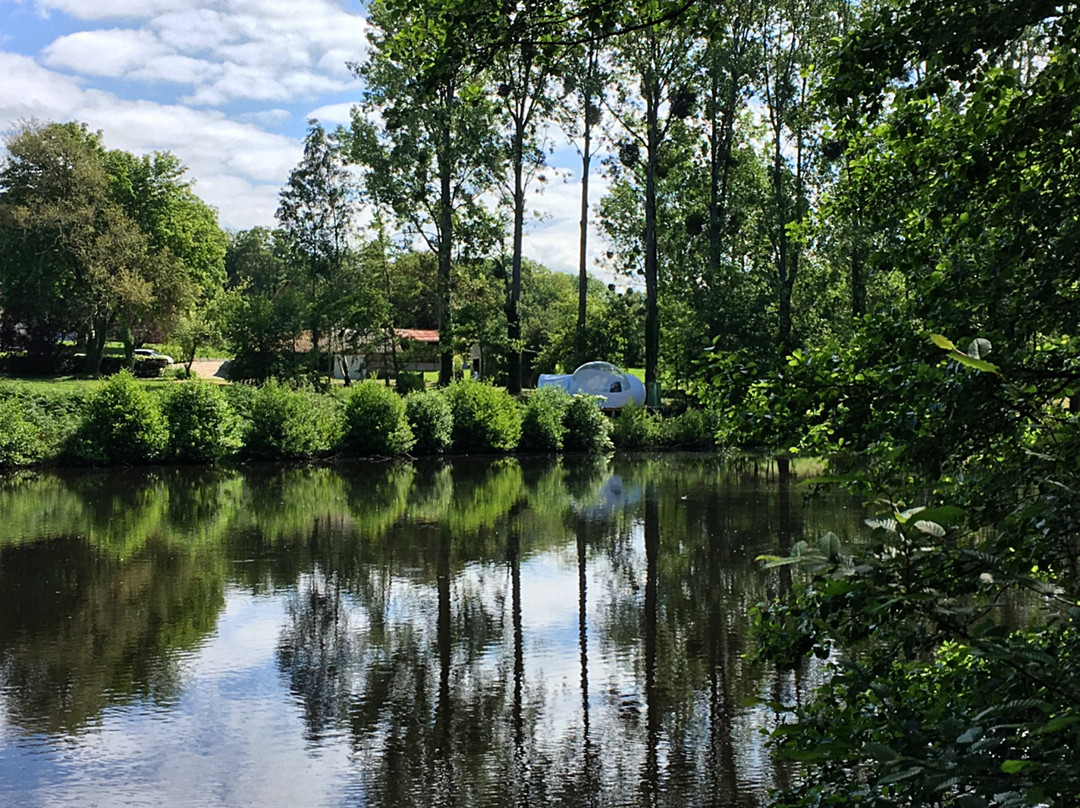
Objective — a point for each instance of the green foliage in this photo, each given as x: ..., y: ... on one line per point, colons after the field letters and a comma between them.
x: 20, y: 442
x: 486, y: 419
x: 691, y: 429
x: 542, y: 427
x: 586, y: 426
x: 202, y: 426
x: 290, y: 424
x: 122, y: 424
x: 375, y: 421
x: 409, y: 381
x: 99, y: 242
x: 431, y: 421
x: 635, y: 428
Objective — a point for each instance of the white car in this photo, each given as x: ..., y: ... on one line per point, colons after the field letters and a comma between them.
x: 150, y: 353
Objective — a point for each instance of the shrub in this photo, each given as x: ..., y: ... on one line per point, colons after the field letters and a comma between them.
x: 409, y: 381
x: 149, y: 368
x: 635, y: 428
x: 691, y: 429
x: 375, y: 422
x: 289, y: 424
x: 542, y: 427
x: 432, y: 424
x: 586, y: 426
x: 202, y: 426
x: 55, y: 415
x: 486, y: 419
x: 20, y: 442
x: 122, y: 424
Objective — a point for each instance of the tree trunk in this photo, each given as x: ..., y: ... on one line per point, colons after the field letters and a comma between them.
x: 513, y: 311
x: 652, y: 314
x: 580, y: 336
x: 446, y: 352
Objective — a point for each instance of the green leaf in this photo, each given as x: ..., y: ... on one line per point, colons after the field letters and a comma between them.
x: 901, y: 775
x: 1054, y: 724
x: 942, y: 342
x: 882, y: 524
x: 880, y: 751
x: 944, y: 515
x: 1014, y: 766
x: 977, y: 364
x: 930, y: 528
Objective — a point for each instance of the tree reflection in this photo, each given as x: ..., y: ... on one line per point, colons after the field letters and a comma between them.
x: 80, y: 629
x: 410, y: 631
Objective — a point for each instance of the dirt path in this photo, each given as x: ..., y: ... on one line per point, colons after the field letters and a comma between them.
x: 209, y: 369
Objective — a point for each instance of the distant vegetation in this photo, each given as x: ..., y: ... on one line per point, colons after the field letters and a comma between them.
x: 126, y: 422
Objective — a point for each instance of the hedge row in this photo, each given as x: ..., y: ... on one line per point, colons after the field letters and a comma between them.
x: 197, y: 422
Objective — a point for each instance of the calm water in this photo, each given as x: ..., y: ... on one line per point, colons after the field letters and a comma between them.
x: 482, y: 632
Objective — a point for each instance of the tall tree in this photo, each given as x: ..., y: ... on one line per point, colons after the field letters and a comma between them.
x: 424, y: 134
x: 579, y: 114
x: 316, y: 214
x: 653, y: 94
x: 522, y: 72
x: 792, y: 36
x: 75, y: 257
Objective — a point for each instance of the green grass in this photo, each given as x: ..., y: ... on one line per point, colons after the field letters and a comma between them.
x: 55, y: 385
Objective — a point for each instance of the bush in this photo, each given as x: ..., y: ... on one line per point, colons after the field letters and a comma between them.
x: 375, y: 422
x: 20, y: 442
x: 202, y: 426
x: 55, y: 415
x: 486, y: 419
x: 149, y: 368
x: 432, y: 424
x: 693, y: 429
x: 123, y: 424
x: 289, y: 424
x: 636, y: 428
x: 542, y: 427
x: 586, y: 426
x: 409, y: 381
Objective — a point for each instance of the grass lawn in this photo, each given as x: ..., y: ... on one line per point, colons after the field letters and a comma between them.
x: 55, y: 385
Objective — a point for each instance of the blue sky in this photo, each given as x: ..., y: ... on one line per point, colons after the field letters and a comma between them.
x: 226, y: 85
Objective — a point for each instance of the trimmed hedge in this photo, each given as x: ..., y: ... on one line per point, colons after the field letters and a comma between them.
x: 195, y: 422
x: 409, y: 381
x: 431, y: 421
x: 290, y: 424
x: 122, y: 424
x: 542, y: 427
x: 375, y: 422
x: 202, y: 426
x: 636, y: 428
x: 586, y: 426
x: 486, y: 418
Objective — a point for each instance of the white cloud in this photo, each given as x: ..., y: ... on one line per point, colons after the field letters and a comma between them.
x: 238, y: 167
x: 31, y: 91
x: 109, y: 9
x: 226, y: 50
x: 553, y: 241
x: 112, y: 52
x: 333, y: 114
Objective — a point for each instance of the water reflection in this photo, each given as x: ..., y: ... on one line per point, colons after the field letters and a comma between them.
x: 554, y: 631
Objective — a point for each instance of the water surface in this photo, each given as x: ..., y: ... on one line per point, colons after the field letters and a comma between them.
x: 471, y: 633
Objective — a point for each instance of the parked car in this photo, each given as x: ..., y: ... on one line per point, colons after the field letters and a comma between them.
x: 150, y: 353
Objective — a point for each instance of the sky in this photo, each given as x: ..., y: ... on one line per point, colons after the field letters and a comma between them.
x: 228, y: 87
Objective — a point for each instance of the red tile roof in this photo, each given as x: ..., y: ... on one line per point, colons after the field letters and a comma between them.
x: 418, y: 334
